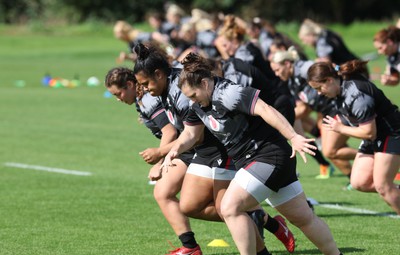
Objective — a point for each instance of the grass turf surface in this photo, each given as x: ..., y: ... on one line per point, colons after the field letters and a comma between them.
x: 113, y: 210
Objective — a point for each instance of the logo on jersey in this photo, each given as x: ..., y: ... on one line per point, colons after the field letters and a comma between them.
x: 303, y: 97
x: 255, y: 145
x: 214, y: 124
x: 171, y: 117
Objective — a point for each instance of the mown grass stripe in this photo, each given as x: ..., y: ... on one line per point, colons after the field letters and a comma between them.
x: 359, y: 210
x: 47, y: 169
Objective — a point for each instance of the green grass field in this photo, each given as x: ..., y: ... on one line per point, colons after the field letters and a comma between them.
x: 112, y: 211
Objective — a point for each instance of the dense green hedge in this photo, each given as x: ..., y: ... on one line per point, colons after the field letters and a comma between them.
x: 77, y: 11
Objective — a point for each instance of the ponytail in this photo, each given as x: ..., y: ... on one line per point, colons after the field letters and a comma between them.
x: 353, y: 67
x: 195, y: 68
x: 321, y: 71
x: 149, y: 59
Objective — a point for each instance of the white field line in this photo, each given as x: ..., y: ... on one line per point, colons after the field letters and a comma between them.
x: 47, y: 169
x: 358, y: 210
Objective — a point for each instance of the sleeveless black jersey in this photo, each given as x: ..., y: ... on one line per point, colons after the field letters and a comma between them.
x: 394, y: 61
x: 152, y: 113
x: 360, y: 101
x: 331, y: 45
x: 227, y: 117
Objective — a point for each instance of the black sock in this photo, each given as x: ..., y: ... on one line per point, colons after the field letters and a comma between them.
x: 188, y: 240
x: 272, y: 225
x: 319, y: 157
x: 264, y: 252
x: 257, y: 216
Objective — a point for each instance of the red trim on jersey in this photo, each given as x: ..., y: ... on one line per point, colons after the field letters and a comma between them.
x: 253, y: 104
x: 228, y: 163
x: 193, y: 123
x: 385, y: 144
x: 249, y: 165
x: 157, y: 113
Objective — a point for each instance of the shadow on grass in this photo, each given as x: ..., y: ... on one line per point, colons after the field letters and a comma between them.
x: 225, y: 253
x: 344, y: 250
x: 316, y: 251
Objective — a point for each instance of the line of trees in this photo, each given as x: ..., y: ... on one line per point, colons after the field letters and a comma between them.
x: 78, y: 11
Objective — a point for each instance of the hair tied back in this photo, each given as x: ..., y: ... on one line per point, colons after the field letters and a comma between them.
x: 142, y: 51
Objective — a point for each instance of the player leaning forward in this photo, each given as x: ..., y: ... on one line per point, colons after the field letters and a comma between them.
x: 255, y: 136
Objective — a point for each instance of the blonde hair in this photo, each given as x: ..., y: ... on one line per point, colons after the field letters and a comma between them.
x: 186, y: 27
x: 174, y: 9
x: 201, y: 20
x: 122, y: 28
x: 198, y: 14
x: 309, y: 27
x: 290, y: 55
x: 203, y: 25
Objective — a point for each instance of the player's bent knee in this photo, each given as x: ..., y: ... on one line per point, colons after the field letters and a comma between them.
x: 330, y: 154
x: 189, y: 209
x: 161, y: 194
x: 228, y: 210
x: 382, y: 189
x: 361, y: 186
x: 301, y: 219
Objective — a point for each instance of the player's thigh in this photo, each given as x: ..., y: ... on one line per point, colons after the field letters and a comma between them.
x: 362, y: 170
x: 197, y: 187
x: 385, y: 168
x: 332, y: 141
x: 171, y: 182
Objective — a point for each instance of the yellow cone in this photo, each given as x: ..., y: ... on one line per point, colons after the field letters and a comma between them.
x: 218, y: 243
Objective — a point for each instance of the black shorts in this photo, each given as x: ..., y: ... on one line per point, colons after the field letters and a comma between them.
x: 366, y: 147
x: 187, y: 157
x: 212, y: 156
x: 277, y: 155
x: 388, y: 144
